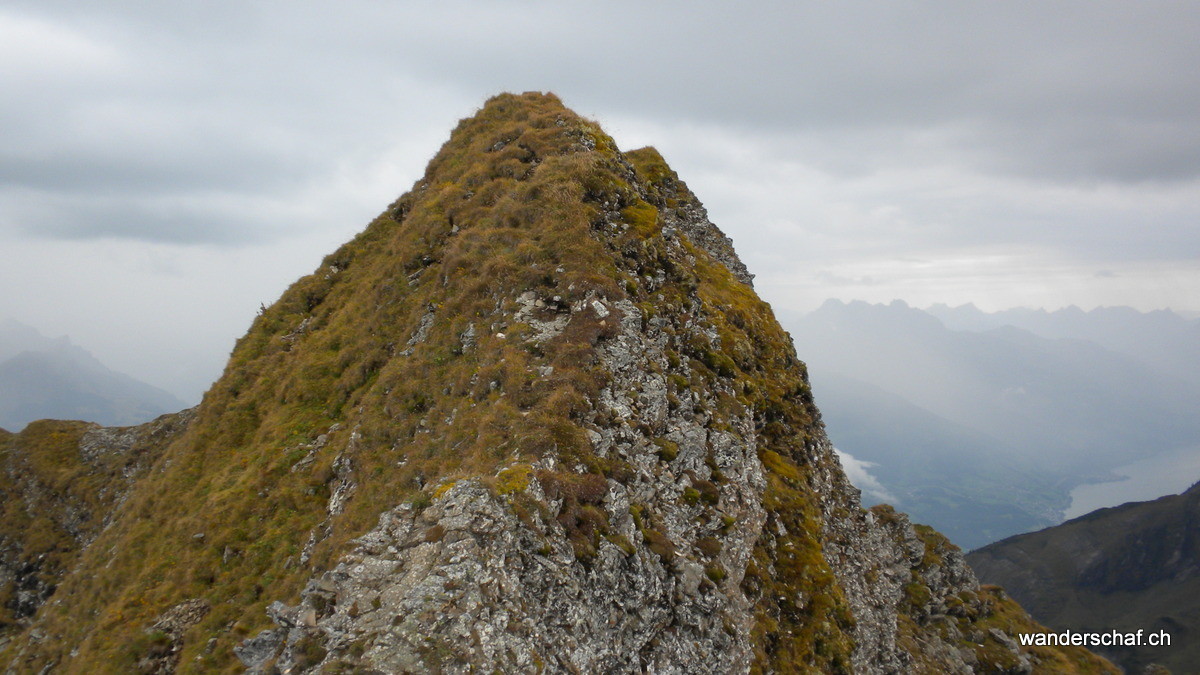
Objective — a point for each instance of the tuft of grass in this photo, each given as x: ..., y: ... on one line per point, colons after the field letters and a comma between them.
x: 715, y: 573
x: 668, y: 450
x: 513, y: 479
x: 660, y: 544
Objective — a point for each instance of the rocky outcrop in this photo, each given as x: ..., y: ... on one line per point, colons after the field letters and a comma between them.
x: 167, y: 634
x: 555, y: 567
x: 679, y: 210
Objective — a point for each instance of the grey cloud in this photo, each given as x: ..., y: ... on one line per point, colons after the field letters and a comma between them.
x: 832, y: 279
x: 245, y: 97
x: 190, y: 113
x: 97, y: 171
x: 1065, y: 91
x: 126, y: 217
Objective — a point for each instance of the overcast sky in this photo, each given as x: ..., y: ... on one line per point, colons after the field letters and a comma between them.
x: 167, y: 167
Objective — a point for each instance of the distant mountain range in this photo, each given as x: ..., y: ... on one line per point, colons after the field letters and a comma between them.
x: 42, y: 378
x: 1136, y: 566
x: 983, y: 432
x: 1161, y: 339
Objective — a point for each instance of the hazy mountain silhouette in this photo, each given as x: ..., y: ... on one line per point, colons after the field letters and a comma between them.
x: 52, y: 378
x: 938, y: 471
x: 1168, y: 342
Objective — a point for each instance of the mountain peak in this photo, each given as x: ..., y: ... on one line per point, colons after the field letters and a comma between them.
x: 532, y: 417
x: 52, y: 377
x: 511, y: 134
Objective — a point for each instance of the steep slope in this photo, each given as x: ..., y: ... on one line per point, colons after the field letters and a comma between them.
x: 1135, y: 566
x: 533, y: 417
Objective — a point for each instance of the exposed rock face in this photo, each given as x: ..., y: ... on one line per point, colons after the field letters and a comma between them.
x: 680, y: 210
x: 534, y: 418
x: 466, y: 582
x: 510, y: 590
x: 167, y: 636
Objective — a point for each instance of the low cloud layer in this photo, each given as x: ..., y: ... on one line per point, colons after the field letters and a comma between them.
x: 859, y: 473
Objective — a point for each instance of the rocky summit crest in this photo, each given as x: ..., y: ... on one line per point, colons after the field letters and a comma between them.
x: 532, y: 418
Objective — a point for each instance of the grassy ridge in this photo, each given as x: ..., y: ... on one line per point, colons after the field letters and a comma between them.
x: 399, y: 366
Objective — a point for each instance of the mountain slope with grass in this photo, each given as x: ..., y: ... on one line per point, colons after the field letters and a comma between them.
x: 532, y: 418
x: 1134, y: 566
